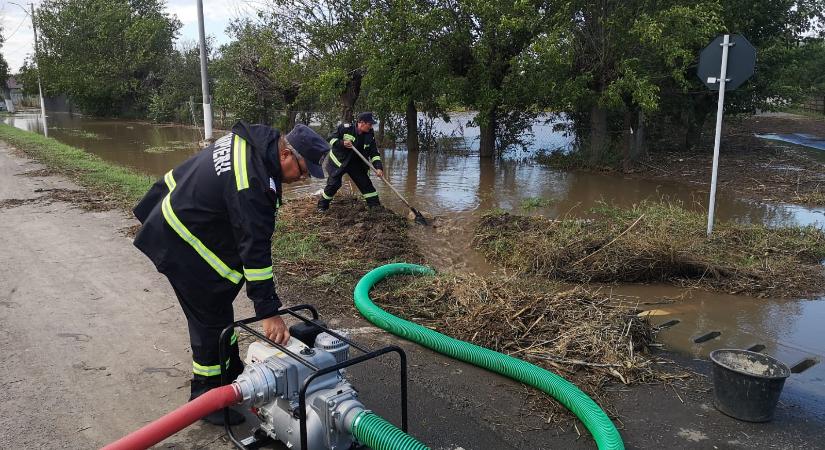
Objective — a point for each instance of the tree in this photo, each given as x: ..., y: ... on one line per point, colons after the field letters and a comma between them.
x: 485, y: 41
x: 178, y: 82
x: 611, y: 62
x: 259, y: 73
x: 104, y: 54
x: 325, y: 35
x: 407, y: 70
x: 4, y: 70
x: 778, y: 30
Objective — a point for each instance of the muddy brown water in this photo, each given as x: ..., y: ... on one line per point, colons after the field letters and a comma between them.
x: 456, y: 188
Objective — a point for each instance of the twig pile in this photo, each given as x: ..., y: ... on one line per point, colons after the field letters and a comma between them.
x: 658, y: 242
x: 584, y: 336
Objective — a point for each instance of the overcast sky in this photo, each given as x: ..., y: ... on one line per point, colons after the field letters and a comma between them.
x: 17, y: 26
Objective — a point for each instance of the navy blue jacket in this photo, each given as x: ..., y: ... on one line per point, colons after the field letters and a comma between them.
x: 211, y: 219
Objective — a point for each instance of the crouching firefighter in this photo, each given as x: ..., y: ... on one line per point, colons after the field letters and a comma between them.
x: 342, y: 160
x: 208, y: 224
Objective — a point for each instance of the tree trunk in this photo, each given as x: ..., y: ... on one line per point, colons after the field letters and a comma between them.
x: 290, y: 119
x: 350, y: 95
x: 487, y: 125
x: 486, y: 184
x: 627, y: 140
x: 412, y: 127
x: 379, y: 138
x: 639, y: 145
x: 696, y: 122
x: 598, y: 133
x: 411, y: 180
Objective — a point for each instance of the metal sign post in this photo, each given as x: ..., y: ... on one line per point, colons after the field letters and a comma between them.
x: 717, y: 140
x: 742, y: 59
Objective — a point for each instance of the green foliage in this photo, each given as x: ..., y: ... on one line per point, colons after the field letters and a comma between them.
x: 179, y: 82
x: 103, y: 54
x: 531, y: 203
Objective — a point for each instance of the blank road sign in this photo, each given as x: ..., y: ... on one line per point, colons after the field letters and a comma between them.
x: 741, y: 62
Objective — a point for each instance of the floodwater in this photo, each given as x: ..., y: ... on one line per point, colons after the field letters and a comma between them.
x: 455, y: 188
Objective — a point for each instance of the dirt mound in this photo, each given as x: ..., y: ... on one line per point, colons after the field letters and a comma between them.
x: 376, y: 234
x: 658, y: 242
x: 325, y: 254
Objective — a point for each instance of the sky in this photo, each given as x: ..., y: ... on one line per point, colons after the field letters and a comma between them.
x: 17, y: 26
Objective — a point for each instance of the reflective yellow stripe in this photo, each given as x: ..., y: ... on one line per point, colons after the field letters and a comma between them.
x: 349, y: 137
x: 233, y: 339
x: 207, y: 255
x: 333, y: 141
x: 207, y: 371
x: 258, y: 274
x: 371, y: 194
x: 239, y: 163
x: 375, y: 158
x: 326, y: 197
x: 334, y: 159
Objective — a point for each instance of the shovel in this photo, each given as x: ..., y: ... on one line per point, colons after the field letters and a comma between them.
x: 419, y: 218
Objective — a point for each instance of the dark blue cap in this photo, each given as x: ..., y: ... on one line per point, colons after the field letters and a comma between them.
x: 311, y: 146
x: 366, y: 117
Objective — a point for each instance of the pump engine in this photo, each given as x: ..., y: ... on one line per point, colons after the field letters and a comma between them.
x: 272, y: 380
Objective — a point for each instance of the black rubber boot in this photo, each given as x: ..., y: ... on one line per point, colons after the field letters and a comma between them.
x: 323, y: 205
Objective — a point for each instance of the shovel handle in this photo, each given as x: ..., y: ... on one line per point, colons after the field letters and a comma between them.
x: 382, y: 177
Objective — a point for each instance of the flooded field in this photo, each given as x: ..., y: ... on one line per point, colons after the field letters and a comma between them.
x: 455, y: 188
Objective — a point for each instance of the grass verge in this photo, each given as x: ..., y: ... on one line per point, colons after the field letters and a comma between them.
x: 117, y: 185
x: 654, y: 242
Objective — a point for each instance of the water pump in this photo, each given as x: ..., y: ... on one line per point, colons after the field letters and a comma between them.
x: 271, y: 383
x: 300, y: 392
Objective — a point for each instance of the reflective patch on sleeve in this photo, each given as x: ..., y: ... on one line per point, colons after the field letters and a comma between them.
x: 258, y: 274
x: 349, y: 137
x: 239, y: 163
x: 334, y: 159
x: 375, y: 158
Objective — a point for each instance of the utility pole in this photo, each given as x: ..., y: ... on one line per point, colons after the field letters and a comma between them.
x: 207, y: 105
x: 39, y: 85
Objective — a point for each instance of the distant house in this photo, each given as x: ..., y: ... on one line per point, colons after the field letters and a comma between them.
x: 15, y: 88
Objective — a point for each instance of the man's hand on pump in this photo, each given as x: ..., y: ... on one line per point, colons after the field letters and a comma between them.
x: 275, y: 329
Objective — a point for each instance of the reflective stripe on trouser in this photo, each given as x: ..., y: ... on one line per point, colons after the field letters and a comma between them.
x: 361, y: 179
x: 207, y: 255
x: 208, y: 310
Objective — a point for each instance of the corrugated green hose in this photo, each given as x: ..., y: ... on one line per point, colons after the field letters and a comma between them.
x: 378, y: 434
x: 596, y: 421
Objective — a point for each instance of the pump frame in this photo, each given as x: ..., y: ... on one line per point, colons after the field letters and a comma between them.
x: 293, y: 311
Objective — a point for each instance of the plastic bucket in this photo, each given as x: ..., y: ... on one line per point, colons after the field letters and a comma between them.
x: 746, y: 385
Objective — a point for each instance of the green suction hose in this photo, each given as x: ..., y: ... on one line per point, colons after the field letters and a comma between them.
x: 376, y: 433
x: 596, y: 421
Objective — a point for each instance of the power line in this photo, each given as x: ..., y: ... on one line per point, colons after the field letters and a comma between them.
x: 16, y: 29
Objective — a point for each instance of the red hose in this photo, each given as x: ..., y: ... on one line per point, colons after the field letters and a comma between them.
x: 178, y: 419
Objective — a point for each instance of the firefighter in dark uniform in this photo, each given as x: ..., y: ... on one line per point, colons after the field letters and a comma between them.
x: 208, y: 224
x: 343, y: 161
